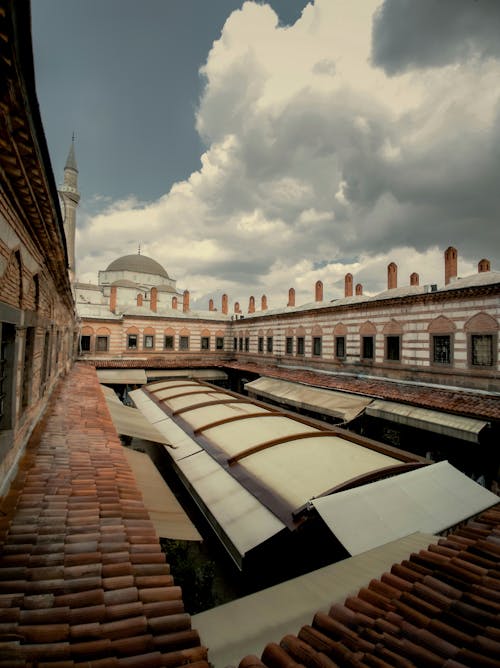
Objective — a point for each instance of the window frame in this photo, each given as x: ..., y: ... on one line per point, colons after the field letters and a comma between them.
x: 269, y: 345
x: 247, y: 344
x: 260, y: 344
x: 205, y: 343
x: 289, y: 345
x: 129, y: 338
x: 340, y: 347
x: 492, y: 336
x: 300, y: 343
x: 145, y: 339
x: 364, y: 339
x: 433, y: 342
x: 219, y: 343
x: 99, y: 338
x: 184, y: 342
x: 317, y: 346
x: 85, y: 336
x: 171, y: 339
x: 390, y: 339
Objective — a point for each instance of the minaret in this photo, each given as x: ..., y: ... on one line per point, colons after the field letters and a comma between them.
x: 69, y: 198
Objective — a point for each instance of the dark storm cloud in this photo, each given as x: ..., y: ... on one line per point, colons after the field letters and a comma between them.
x: 428, y: 33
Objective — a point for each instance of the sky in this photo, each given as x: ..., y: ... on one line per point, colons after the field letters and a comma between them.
x: 253, y: 147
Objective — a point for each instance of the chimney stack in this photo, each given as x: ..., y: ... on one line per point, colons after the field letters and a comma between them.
x: 185, y: 301
x: 224, y: 304
x: 414, y: 279
x: 154, y: 299
x: 450, y: 264
x: 291, y: 297
x: 348, y: 285
x: 359, y: 289
x: 112, y: 299
x: 483, y: 265
x: 392, y: 276
x: 211, y: 304
x: 237, y: 307
x: 251, y: 305
x: 139, y: 299
x: 318, y: 291
x: 263, y: 303
x: 174, y: 303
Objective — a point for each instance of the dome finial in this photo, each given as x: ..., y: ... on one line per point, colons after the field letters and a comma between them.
x: 71, y: 159
x: 139, y: 248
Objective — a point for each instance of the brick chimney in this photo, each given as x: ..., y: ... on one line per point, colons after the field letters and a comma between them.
x: 359, y: 289
x: 153, y: 296
x: 414, y: 279
x: 392, y: 276
x: 450, y: 264
x: 211, y: 304
x: 483, y: 265
x: 139, y: 299
x: 251, y: 305
x: 237, y: 307
x: 263, y: 303
x: 113, y: 298
x: 174, y: 303
x: 348, y: 285
x: 224, y: 304
x: 291, y: 297
x: 318, y: 291
x: 185, y: 301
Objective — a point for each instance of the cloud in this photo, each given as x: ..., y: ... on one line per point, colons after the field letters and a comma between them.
x: 430, y: 33
x: 318, y: 163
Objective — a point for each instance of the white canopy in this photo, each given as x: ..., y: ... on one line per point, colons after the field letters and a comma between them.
x: 429, y: 499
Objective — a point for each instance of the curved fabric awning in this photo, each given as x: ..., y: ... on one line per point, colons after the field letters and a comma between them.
x: 455, y: 426
x: 340, y: 405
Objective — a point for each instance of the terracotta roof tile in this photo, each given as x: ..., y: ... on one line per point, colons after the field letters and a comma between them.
x: 83, y: 580
x: 439, y: 607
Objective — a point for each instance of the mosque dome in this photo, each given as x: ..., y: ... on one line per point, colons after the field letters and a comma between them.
x: 139, y: 264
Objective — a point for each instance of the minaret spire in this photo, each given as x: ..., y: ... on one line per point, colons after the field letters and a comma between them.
x: 69, y: 198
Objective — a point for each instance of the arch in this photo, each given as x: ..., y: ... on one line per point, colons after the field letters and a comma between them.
x: 269, y: 332
x: 132, y: 330
x: 289, y: 331
x: 393, y: 327
x: 149, y: 330
x: 441, y: 324
x: 481, y: 322
x: 205, y: 332
x: 300, y: 331
x: 340, y: 329
x: 102, y: 331
x: 87, y: 331
x: 12, y: 281
x: 184, y: 332
x: 170, y: 331
x: 316, y: 331
x: 219, y: 332
x: 368, y: 329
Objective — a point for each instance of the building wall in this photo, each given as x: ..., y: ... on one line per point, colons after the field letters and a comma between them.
x: 37, y: 322
x: 415, y: 321
x: 432, y: 333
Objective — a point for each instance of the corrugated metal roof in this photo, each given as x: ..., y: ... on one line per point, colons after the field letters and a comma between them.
x: 429, y: 499
x: 205, y: 374
x: 447, y: 424
x: 336, y: 404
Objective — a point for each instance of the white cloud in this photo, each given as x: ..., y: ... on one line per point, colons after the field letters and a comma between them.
x: 318, y: 163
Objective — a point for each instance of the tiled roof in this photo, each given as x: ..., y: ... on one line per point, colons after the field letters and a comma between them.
x: 83, y: 581
x: 466, y: 402
x: 460, y: 402
x: 440, y: 607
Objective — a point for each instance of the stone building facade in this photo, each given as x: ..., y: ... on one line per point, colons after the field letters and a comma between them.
x: 445, y: 334
x: 37, y: 320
